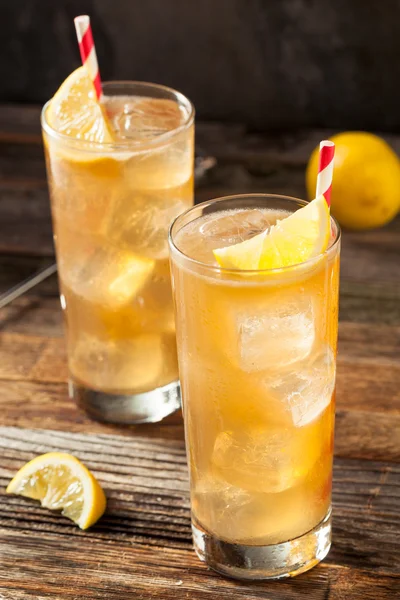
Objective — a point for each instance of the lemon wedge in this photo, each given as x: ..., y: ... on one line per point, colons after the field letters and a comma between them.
x: 302, y: 235
x: 76, y: 112
x: 61, y: 482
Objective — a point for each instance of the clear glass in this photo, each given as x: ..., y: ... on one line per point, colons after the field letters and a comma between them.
x: 257, y: 357
x: 112, y: 205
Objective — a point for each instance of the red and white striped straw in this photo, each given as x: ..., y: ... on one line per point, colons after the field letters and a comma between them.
x: 325, y: 170
x: 88, y: 51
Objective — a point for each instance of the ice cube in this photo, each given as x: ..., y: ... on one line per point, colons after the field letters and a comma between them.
x: 221, y: 507
x: 107, y: 276
x: 275, y: 335
x: 142, y: 225
x: 221, y: 491
x: 156, y: 297
x: 121, y: 366
x: 306, y: 389
x: 166, y: 165
x: 143, y: 119
x: 235, y: 514
x: 228, y: 228
x: 164, y: 169
x: 263, y: 459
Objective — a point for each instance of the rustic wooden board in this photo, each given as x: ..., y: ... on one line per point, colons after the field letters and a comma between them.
x: 144, y: 539
x: 142, y: 549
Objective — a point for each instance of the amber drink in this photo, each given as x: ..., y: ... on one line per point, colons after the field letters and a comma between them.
x: 112, y: 204
x: 257, y: 355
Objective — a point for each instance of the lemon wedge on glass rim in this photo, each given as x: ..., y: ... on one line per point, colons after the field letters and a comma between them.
x: 61, y: 482
x: 303, y: 235
x: 75, y: 111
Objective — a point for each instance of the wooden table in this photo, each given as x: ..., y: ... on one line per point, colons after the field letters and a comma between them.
x: 142, y: 547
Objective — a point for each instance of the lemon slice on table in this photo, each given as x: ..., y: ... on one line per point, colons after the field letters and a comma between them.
x: 293, y: 240
x: 61, y: 482
x: 75, y: 111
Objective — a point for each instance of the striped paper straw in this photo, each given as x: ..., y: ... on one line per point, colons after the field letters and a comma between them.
x: 88, y: 51
x: 325, y: 170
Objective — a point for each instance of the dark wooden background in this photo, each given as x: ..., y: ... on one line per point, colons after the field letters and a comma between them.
x: 272, y: 64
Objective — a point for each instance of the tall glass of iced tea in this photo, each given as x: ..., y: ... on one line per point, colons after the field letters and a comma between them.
x: 117, y: 179
x: 257, y: 355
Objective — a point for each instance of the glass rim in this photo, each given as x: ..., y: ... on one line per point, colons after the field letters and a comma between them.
x: 235, y: 272
x: 122, y: 144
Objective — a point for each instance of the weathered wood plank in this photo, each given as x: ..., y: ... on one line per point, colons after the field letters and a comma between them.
x: 17, y: 358
x: 362, y: 388
x: 231, y: 143
x: 359, y: 344
x: 25, y: 221
x: 372, y: 255
x: 35, y: 404
x: 369, y: 301
x: 20, y: 123
x: 359, y: 433
x: 362, y: 434
x: 359, y: 387
x: 368, y: 382
x: 22, y: 162
x: 157, y: 573
x: 34, y: 358
x: 33, y: 315
x: 14, y: 269
x: 366, y: 302
x: 148, y: 507
x: 370, y: 342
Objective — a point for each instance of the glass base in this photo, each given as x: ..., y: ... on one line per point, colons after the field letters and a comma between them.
x: 148, y: 407
x: 264, y: 562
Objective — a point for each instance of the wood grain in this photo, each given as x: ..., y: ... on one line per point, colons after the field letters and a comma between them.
x: 34, y: 374
x: 147, y: 524
x: 39, y: 311
x: 142, y: 548
x: 20, y: 124
x: 24, y: 214
x: 33, y: 357
x: 136, y: 572
x: 33, y: 315
x: 16, y: 268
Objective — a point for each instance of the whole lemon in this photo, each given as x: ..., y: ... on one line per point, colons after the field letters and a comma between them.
x: 366, y: 180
